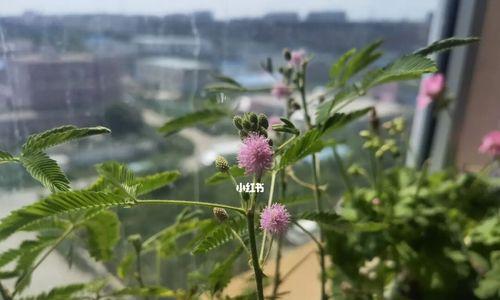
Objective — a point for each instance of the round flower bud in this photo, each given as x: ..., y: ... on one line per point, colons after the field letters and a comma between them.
x: 287, y: 54
x: 263, y: 122
x: 247, y: 125
x: 221, y: 164
x: 253, y: 118
x: 136, y: 241
x: 220, y: 214
x: 237, y: 121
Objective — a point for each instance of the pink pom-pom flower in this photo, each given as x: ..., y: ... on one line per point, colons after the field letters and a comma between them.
x: 297, y: 58
x: 430, y: 89
x: 275, y: 219
x: 491, y: 144
x: 281, y: 90
x: 255, y: 155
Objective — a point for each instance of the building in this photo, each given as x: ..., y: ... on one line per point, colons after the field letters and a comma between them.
x: 172, y: 76
x: 45, y: 91
x: 326, y: 16
x: 51, y: 82
x: 173, y: 45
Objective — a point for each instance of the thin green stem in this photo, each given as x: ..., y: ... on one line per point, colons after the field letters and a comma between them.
x: 317, y: 194
x: 250, y: 214
x: 242, y: 201
x: 269, y: 201
x: 26, y: 275
x: 238, y: 237
x: 255, y: 257
x: 343, y: 172
x: 191, y: 203
x: 277, y: 267
x: 5, y: 293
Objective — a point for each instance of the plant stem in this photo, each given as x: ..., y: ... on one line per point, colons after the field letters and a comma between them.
x: 191, y: 203
x: 317, y: 194
x: 343, y: 172
x: 26, y: 275
x: 250, y: 214
x: 255, y: 256
x: 277, y: 267
x: 269, y: 201
x: 5, y: 293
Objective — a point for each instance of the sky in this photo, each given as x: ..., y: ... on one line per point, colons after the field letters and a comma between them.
x: 226, y: 9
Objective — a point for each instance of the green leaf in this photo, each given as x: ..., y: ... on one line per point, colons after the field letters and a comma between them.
x: 165, y: 241
x: 353, y: 62
x: 221, y: 177
x: 301, y: 147
x: 153, y: 182
x: 103, y: 234
x: 227, y: 79
x: 218, y: 237
x: 9, y: 256
x: 119, y: 176
x: 222, y: 274
x: 445, y: 44
x: 339, y: 120
x: 41, y: 141
x: 224, y: 87
x: 205, y: 116
x: 345, y: 95
x: 6, y: 157
x: 125, y: 266
x: 151, y: 291
x: 489, y: 285
x: 59, y: 293
x: 29, y: 251
x: 338, y: 67
x: 46, y: 170
x: 56, y: 204
x: 337, y: 223
x: 405, y: 68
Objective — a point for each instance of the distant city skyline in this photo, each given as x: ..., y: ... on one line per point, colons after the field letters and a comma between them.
x: 227, y: 9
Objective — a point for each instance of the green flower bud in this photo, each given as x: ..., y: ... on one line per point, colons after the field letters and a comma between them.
x: 220, y: 214
x: 237, y: 121
x: 136, y: 241
x: 263, y: 122
x: 243, y: 134
x: 247, y: 125
x: 253, y: 118
x: 221, y: 164
x: 287, y: 54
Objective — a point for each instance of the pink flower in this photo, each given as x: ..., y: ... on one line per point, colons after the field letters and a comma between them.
x: 255, y: 156
x: 491, y: 144
x: 281, y: 90
x: 430, y: 89
x: 297, y: 57
x: 275, y: 219
x: 274, y: 120
x: 376, y: 201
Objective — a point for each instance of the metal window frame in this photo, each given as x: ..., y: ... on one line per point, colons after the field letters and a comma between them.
x: 434, y: 137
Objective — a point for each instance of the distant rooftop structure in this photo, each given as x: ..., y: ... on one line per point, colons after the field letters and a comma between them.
x: 326, y: 16
x: 178, y: 45
x: 282, y: 17
x: 167, y: 75
x: 175, y: 63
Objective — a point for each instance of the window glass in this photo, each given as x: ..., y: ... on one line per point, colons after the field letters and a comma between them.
x: 131, y: 65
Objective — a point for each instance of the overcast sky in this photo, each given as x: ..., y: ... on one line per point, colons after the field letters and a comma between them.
x: 223, y: 9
